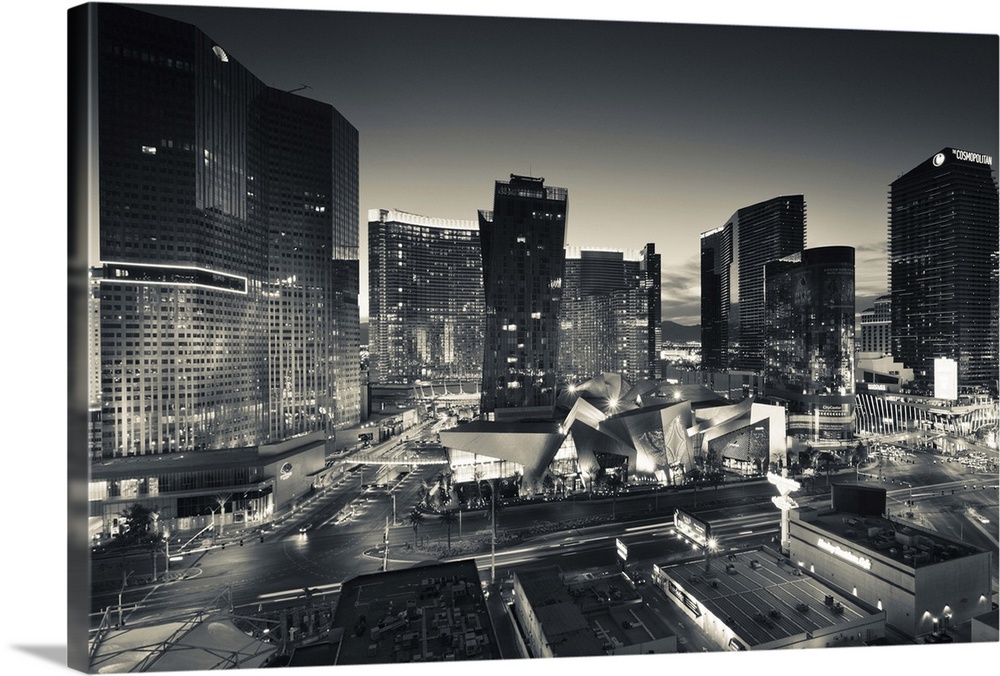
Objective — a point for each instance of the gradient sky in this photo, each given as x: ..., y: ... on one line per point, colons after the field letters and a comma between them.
x: 659, y: 131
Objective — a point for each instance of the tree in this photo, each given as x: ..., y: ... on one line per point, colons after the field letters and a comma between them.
x: 221, y: 499
x: 415, y: 519
x: 448, y: 518
x: 136, y: 523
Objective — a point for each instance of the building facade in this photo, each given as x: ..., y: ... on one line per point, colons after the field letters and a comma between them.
x: 732, y: 273
x: 809, y: 337
x: 522, y: 242
x: 716, y: 270
x: 225, y: 271
x: 923, y: 581
x: 876, y: 327
x: 425, y: 285
x: 943, y: 238
x: 610, y: 314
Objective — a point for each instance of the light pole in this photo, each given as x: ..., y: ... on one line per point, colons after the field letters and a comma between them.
x: 493, y: 540
x: 166, y: 570
x: 121, y: 592
x: 711, y: 544
x: 385, y: 553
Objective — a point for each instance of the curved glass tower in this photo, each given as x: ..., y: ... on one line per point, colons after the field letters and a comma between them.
x: 224, y: 279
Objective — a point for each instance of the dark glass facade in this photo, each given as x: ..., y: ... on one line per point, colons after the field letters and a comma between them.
x: 223, y: 205
x: 609, y: 318
x: 716, y: 268
x: 426, y: 307
x: 732, y: 267
x: 943, y: 239
x: 522, y: 242
x: 809, y: 337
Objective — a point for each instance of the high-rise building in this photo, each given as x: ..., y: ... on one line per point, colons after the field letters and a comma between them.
x: 425, y: 285
x: 876, y: 327
x: 716, y: 303
x: 649, y: 282
x: 943, y: 239
x: 226, y: 271
x: 609, y: 317
x: 809, y: 338
x: 732, y: 276
x: 522, y: 242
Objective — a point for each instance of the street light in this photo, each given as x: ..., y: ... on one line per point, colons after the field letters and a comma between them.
x: 711, y: 545
x: 166, y: 540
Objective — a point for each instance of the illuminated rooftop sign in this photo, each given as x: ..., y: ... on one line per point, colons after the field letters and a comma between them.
x: 965, y: 156
x: 845, y: 554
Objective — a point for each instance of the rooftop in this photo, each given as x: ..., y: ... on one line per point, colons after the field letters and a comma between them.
x: 763, y: 598
x: 203, y: 460
x: 589, y: 615
x: 890, y: 539
x: 427, y: 613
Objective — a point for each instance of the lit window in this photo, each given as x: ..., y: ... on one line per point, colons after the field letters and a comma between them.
x: 536, y: 315
x: 149, y: 150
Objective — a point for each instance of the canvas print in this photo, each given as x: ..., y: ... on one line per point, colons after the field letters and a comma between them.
x: 356, y: 386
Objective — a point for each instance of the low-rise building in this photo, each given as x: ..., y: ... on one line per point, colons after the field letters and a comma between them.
x: 194, y: 490
x: 558, y: 616
x: 924, y: 582
x: 758, y: 601
x: 422, y: 614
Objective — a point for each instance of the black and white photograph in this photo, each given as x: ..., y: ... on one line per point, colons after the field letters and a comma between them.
x: 351, y: 384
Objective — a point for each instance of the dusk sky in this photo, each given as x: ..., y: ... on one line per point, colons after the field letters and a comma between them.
x: 659, y: 131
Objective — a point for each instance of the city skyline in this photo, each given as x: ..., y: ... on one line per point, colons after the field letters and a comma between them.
x: 38, y: 645
x: 682, y: 127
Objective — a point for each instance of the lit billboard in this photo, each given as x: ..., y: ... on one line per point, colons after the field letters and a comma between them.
x: 692, y: 528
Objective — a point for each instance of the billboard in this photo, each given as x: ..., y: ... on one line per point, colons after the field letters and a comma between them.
x: 692, y: 528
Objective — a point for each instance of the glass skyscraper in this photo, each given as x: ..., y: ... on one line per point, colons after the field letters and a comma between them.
x: 522, y: 242
x: 732, y: 277
x: 425, y: 285
x: 226, y: 274
x: 809, y: 340
x: 610, y: 314
x: 943, y: 239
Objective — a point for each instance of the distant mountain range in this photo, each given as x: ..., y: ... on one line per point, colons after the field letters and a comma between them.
x: 672, y: 332
x: 678, y: 333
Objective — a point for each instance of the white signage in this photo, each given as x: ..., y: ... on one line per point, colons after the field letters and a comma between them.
x: 845, y: 554
x: 784, y: 484
x: 945, y: 378
x: 971, y: 157
x: 622, y: 549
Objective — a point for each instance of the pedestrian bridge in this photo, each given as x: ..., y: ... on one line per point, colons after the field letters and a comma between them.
x: 371, y: 459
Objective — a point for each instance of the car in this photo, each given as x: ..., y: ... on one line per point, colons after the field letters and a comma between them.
x: 306, y: 528
x: 983, y: 519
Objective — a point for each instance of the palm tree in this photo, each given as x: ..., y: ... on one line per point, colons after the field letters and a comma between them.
x: 221, y: 499
x: 448, y: 518
x: 415, y: 519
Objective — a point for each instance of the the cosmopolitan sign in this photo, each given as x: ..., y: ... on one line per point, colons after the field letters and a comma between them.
x: 845, y: 554
x: 965, y: 156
